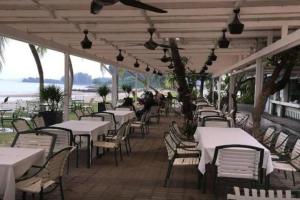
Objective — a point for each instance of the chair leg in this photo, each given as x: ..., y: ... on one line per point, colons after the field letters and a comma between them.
x: 285, y: 175
x: 121, y: 155
x: 142, y: 131
x: 77, y: 156
x: 61, y: 188
x: 128, y: 140
x: 293, y: 176
x: 24, y: 195
x: 168, y: 173
x: 127, y: 152
x: 116, y: 159
x: 42, y: 194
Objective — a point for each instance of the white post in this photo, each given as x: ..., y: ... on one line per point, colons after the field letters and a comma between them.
x: 269, y: 104
x: 231, y: 90
x: 284, y: 31
x: 213, y: 90
x: 259, y: 80
x: 219, y: 92
x: 136, y: 86
x: 114, y: 92
x: 147, y: 81
x: 66, y: 89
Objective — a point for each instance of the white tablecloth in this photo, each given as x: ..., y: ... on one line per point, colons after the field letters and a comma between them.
x: 14, y: 162
x: 93, y: 128
x: 210, y: 137
x: 122, y: 116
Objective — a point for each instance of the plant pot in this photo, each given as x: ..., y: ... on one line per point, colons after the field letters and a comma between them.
x: 101, y: 107
x: 52, y: 117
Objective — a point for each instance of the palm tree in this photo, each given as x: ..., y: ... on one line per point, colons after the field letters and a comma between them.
x: 38, y: 52
x: 3, y: 41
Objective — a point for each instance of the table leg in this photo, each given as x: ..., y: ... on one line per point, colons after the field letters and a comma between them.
x: 89, y: 151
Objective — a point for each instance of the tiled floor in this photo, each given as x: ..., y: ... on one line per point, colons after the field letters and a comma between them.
x: 139, y: 176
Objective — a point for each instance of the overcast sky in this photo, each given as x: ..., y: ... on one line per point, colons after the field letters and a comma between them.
x: 19, y: 63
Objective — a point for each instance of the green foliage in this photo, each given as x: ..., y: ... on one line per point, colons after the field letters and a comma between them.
x: 52, y: 95
x: 127, y: 89
x: 103, y: 91
x: 247, y: 91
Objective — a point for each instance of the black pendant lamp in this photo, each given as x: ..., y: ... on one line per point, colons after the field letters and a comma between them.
x: 136, y: 64
x: 147, y: 68
x: 159, y: 73
x: 86, y: 43
x: 208, y: 62
x: 120, y: 57
x: 154, y: 71
x: 236, y: 27
x: 212, y: 55
x: 205, y: 68
x: 171, y: 65
x: 223, y: 41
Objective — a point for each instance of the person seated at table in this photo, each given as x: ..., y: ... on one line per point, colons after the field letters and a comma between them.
x: 148, y: 102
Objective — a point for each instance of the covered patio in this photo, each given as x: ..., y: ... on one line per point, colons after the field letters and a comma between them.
x: 186, y: 36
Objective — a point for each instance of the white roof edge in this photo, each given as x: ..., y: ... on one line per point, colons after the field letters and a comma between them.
x: 285, y: 43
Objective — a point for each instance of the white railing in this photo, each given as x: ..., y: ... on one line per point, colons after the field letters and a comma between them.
x: 292, y: 113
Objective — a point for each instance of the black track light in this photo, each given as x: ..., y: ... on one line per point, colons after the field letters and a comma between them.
x: 120, y: 57
x: 147, y: 68
x: 86, y: 43
x: 223, y: 41
x: 136, y: 64
x: 212, y: 55
x: 236, y: 27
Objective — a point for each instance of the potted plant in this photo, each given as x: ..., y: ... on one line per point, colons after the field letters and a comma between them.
x: 128, y: 101
x: 52, y: 96
x: 103, y: 91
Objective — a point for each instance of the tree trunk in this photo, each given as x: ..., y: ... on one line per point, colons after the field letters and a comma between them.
x: 201, y: 87
x: 183, y: 90
x: 38, y: 65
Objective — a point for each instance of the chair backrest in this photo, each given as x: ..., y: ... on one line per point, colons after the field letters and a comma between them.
x: 281, y: 142
x: 208, y: 107
x: 38, y: 121
x: 89, y: 110
x: 268, y: 136
x: 216, y: 121
x: 121, y: 132
x: 36, y: 140
x: 107, y: 116
x: 108, y: 106
x: 295, y: 155
x: 170, y: 146
x: 91, y: 118
x: 64, y: 137
x: 254, y: 194
x: 239, y: 161
x: 20, y: 125
x: 55, y: 165
x: 78, y: 113
x: 205, y: 113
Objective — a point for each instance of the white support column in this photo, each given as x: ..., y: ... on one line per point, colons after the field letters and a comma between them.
x: 136, y: 85
x: 284, y: 31
x: 114, y: 91
x: 259, y: 79
x: 213, y: 90
x: 66, y: 89
x: 231, y: 90
x: 148, y: 81
x: 219, y: 92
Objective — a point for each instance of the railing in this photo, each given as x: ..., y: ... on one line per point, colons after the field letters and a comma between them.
x: 292, y: 113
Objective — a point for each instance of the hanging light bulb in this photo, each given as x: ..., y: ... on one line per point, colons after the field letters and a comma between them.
x: 223, y: 41
x: 236, y: 27
x: 86, y: 43
x: 120, y: 57
x: 212, y: 55
x: 208, y: 62
x: 136, y: 64
x: 147, y: 68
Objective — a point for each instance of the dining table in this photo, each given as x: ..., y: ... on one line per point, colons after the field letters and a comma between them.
x: 209, y: 138
x: 14, y: 162
x: 89, y: 129
x: 122, y: 116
